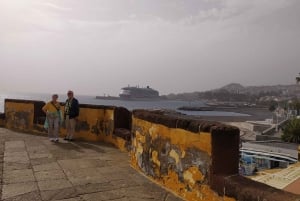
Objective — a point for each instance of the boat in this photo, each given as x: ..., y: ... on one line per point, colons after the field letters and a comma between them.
x: 133, y: 93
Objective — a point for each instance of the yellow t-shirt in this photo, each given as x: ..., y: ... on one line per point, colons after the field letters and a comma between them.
x: 50, y: 107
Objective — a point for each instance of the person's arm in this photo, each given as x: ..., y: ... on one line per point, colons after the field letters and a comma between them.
x: 45, y: 108
x: 77, y: 108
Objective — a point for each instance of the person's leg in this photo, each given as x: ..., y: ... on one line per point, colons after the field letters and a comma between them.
x: 55, y: 129
x: 68, y: 126
x: 72, y: 128
x: 50, y: 128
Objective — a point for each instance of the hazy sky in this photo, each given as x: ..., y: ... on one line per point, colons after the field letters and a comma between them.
x: 99, y: 46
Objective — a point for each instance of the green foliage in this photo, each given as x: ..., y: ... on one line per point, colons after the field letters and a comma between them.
x: 291, y: 132
x: 272, y: 108
x: 295, y: 105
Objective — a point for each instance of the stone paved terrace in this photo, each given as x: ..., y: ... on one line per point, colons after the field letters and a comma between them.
x: 34, y: 169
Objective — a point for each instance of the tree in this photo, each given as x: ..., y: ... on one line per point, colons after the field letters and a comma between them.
x: 273, y: 106
x: 291, y: 132
x: 298, y: 79
x: 295, y: 105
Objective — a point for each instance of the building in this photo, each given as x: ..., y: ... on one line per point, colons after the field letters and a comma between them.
x: 261, y: 155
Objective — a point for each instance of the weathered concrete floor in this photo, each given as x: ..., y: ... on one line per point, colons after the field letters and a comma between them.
x: 35, y: 169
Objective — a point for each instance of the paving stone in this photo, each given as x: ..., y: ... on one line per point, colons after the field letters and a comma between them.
x: 49, y: 175
x: 15, y: 149
x: 18, y: 176
x: 113, y: 176
x: 17, y: 159
x: 14, y: 144
x: 13, y: 190
x: 85, y: 176
x: 35, y: 145
x: 32, y: 196
x: 62, y: 155
x: 107, y: 195
x: 21, y: 153
x: 54, y: 184
x: 40, y: 161
x: 72, y: 199
x: 45, y: 167
x: 59, y: 194
x: 94, y: 188
x: 107, y: 186
x: 145, y: 192
x: 124, y: 183
x: 81, y: 163
x: 171, y: 197
x: 40, y: 155
x: 16, y: 166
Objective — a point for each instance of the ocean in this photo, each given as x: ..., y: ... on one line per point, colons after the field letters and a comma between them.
x: 130, y: 105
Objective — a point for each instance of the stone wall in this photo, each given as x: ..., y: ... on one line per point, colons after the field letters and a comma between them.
x: 299, y: 153
x: 95, y: 123
x: 2, y: 120
x: 185, y: 156
x: 197, y: 160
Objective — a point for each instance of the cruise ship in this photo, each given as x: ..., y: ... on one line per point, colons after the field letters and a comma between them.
x: 138, y: 93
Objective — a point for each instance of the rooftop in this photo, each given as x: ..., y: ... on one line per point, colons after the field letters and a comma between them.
x: 36, y: 169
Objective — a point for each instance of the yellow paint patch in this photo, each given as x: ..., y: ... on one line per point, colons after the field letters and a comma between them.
x: 174, y: 155
x: 155, y: 158
x: 192, y: 175
x: 183, y: 138
x: 182, y: 153
x: 153, y: 132
x: 139, y: 149
x: 140, y: 137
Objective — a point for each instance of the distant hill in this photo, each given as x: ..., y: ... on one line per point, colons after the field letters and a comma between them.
x: 233, y: 87
x: 289, y: 90
x: 238, y: 92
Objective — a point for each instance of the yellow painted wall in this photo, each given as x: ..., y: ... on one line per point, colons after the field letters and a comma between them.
x: 95, y: 124
x: 194, y: 185
x: 19, y: 115
x: 2, y: 123
x: 100, y: 126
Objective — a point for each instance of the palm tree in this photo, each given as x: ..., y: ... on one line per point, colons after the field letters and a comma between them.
x: 291, y: 133
x: 298, y: 79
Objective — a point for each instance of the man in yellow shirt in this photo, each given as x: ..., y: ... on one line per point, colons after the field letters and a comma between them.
x: 52, y: 110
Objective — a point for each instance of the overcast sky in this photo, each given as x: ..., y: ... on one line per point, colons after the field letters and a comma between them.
x: 98, y: 46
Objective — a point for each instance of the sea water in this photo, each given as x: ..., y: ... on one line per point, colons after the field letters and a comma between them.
x: 130, y: 105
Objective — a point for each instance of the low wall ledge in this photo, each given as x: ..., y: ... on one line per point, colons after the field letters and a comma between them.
x: 90, y: 106
x: 248, y: 190
x: 23, y: 101
x: 177, y: 120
